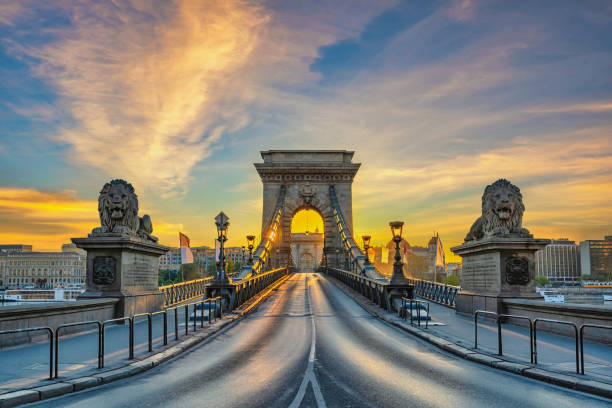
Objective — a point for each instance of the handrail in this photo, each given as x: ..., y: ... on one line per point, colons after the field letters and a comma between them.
x: 31, y: 329
x: 184, y: 283
x: 476, y: 313
x: 131, y: 337
x: 582, y: 326
x: 499, y: 333
x: 165, y: 313
x: 404, y: 300
x: 535, y: 343
x: 57, y: 337
x: 149, y: 327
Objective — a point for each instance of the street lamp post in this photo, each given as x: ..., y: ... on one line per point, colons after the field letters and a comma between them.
x: 398, y: 275
x: 222, y: 223
x: 250, y: 242
x: 243, y: 255
x: 366, y: 247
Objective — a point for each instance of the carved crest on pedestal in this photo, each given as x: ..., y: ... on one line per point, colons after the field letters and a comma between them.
x: 104, y: 270
x: 517, y: 270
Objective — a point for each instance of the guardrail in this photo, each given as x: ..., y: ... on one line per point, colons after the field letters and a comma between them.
x: 535, y: 342
x: 249, y: 287
x: 184, y: 291
x: 598, y: 326
x: 57, y: 337
x: 376, y: 290
x: 403, y: 313
x: 215, y: 312
x: 32, y: 329
x: 436, y: 292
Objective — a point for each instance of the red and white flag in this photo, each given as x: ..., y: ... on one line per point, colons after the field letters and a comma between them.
x: 186, y: 254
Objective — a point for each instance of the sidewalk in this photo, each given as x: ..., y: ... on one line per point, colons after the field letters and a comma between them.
x: 555, y: 352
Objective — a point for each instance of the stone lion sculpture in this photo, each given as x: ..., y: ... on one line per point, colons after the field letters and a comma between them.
x: 502, y: 213
x: 118, y: 208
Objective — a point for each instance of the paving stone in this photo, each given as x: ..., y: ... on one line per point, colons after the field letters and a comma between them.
x: 53, y: 390
x: 483, y: 358
x: 144, y: 364
x: 84, y: 382
x: 12, y: 399
x: 512, y: 367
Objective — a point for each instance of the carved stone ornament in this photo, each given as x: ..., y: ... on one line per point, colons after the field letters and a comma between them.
x: 502, y: 213
x: 118, y: 208
x: 104, y: 270
x: 307, y: 192
x: 517, y: 270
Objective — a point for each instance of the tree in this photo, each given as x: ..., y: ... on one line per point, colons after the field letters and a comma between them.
x: 452, y: 280
x: 542, y: 280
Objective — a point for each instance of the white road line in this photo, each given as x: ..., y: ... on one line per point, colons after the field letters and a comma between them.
x: 309, y: 376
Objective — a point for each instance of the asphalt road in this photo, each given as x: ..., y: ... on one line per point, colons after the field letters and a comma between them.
x: 311, y: 345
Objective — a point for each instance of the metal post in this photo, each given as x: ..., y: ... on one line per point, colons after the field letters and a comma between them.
x: 150, y: 331
x: 176, y: 329
x: 186, y: 319
x: 165, y: 327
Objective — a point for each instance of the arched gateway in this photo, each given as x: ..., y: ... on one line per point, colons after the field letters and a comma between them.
x: 307, y: 179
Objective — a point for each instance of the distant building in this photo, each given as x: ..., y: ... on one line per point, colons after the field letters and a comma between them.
x: 453, y: 268
x: 559, y: 261
x: 203, y: 256
x: 596, y: 258
x: 307, y: 250
x: 433, y: 264
x: 16, y: 248
x: 42, y: 269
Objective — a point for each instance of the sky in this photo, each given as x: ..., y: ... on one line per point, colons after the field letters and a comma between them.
x: 436, y: 98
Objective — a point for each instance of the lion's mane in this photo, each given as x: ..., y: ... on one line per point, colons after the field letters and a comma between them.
x: 130, y: 217
x: 490, y: 224
x: 491, y: 221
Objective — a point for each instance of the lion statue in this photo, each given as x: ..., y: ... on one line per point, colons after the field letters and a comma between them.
x: 118, y: 208
x: 502, y: 213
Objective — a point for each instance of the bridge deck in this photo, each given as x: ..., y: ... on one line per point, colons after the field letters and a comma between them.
x: 312, y: 345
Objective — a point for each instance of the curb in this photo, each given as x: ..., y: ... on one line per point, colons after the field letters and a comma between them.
x: 527, y: 370
x: 25, y: 396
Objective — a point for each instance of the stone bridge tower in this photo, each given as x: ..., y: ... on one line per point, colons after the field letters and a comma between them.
x: 307, y: 176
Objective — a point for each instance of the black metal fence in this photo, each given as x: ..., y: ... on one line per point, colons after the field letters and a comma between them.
x: 533, y: 328
x: 378, y: 291
x: 436, y: 292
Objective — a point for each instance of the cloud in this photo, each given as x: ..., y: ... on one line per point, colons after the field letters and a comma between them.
x: 150, y: 87
x: 44, y: 219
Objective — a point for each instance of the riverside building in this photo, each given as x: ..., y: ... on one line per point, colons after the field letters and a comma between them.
x: 559, y: 261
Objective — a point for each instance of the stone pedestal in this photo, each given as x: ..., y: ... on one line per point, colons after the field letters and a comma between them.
x: 123, y: 267
x: 494, y: 269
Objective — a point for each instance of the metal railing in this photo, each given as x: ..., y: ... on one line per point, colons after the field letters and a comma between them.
x: 535, y: 341
x: 57, y: 337
x: 581, y: 331
x: 375, y: 290
x: 499, y: 333
x: 436, y: 292
x: 184, y: 291
x: 403, y: 313
x: 476, y: 313
x: 103, y: 336
x: 33, y: 329
x: 249, y: 287
x: 54, y: 335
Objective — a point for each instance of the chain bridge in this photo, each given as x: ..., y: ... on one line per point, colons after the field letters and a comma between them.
x: 342, y: 336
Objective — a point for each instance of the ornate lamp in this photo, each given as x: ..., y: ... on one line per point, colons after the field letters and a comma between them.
x: 250, y: 244
x: 366, y: 247
x: 398, y: 275
x: 222, y: 223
